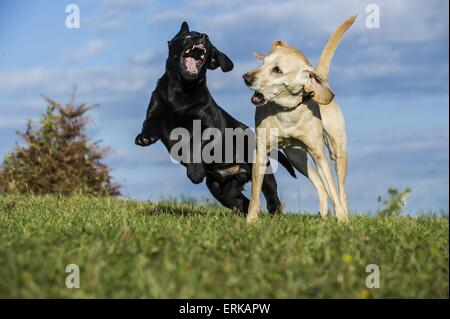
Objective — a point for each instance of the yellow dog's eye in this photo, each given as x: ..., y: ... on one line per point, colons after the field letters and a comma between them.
x: 276, y: 70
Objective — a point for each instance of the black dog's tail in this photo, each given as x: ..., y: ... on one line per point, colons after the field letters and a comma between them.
x: 283, y: 160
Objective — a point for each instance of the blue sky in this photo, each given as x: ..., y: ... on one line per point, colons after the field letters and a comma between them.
x: 391, y: 83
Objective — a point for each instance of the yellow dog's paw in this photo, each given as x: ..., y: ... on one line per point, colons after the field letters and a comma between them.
x: 251, y: 218
x: 343, y: 219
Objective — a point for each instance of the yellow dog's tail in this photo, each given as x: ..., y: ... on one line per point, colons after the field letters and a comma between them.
x: 323, y: 67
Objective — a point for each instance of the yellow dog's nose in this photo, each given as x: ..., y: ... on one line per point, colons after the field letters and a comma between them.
x: 248, y: 78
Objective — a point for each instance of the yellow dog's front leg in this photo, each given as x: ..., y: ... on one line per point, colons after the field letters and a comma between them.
x: 258, y: 171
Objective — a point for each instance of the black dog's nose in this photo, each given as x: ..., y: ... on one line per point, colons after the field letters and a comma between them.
x: 248, y: 78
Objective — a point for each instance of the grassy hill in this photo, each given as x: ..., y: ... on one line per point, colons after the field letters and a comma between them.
x: 168, y: 250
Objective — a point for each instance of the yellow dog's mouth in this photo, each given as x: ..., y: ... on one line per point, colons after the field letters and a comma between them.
x: 258, y: 99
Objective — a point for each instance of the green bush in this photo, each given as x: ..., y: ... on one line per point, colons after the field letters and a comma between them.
x: 395, y: 204
x: 58, y: 157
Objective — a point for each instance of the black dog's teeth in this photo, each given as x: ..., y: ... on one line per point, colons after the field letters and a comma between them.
x: 196, y: 52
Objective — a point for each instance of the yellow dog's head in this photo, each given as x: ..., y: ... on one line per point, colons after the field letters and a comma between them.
x: 287, y: 78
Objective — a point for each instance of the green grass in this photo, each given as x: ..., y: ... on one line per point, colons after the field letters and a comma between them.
x: 167, y: 250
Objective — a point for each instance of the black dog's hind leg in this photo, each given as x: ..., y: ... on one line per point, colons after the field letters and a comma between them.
x: 150, y: 132
x: 233, y: 195
x: 269, y: 189
x: 229, y: 194
x: 195, y: 170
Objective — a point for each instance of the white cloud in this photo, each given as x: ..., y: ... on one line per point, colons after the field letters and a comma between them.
x: 418, y: 160
x: 14, y: 122
x: 106, y: 20
x: 402, y: 144
x: 402, y: 21
x: 392, y: 59
x: 143, y: 57
x: 91, y: 48
x: 116, y: 13
x: 126, y: 3
x: 103, y: 83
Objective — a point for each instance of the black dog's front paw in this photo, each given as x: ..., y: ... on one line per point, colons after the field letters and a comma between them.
x: 144, y: 140
x: 196, y: 173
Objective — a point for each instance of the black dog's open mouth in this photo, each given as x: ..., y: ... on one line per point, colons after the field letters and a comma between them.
x: 258, y: 99
x: 193, y: 58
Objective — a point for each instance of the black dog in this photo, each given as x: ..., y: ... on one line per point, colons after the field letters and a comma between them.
x: 182, y: 96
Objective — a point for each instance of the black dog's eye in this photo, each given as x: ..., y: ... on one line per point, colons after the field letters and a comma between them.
x: 276, y: 70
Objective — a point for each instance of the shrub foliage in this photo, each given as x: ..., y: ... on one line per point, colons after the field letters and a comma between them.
x: 58, y: 157
x: 395, y: 204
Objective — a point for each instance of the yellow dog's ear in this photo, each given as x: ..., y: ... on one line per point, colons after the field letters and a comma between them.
x: 320, y: 90
x: 259, y: 56
x: 278, y: 44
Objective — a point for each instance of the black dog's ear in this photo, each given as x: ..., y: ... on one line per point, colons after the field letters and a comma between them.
x: 184, y: 29
x: 219, y: 59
